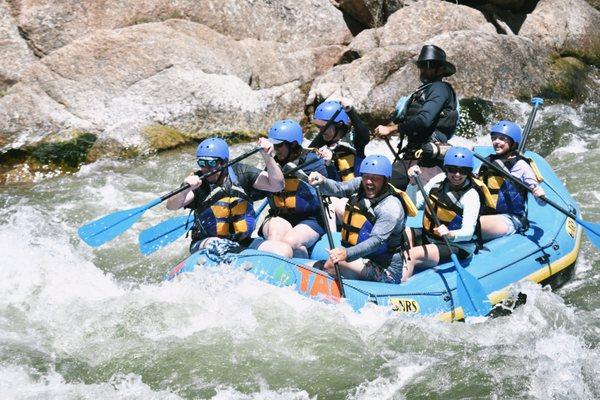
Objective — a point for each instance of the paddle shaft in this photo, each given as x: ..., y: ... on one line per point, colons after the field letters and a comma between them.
x: 206, y: 175
x: 520, y: 184
x: 338, y: 275
x: 537, y: 102
x: 299, y: 167
x: 324, y: 128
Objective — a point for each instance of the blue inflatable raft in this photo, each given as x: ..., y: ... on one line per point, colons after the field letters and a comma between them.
x: 546, y: 253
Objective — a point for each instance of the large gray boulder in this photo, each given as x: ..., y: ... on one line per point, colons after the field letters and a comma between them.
x: 15, y: 55
x: 51, y: 24
x: 378, y: 79
x: 570, y: 27
x: 370, y: 13
x: 415, y: 23
x: 178, y: 73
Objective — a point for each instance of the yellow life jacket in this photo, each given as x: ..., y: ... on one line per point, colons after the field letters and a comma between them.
x: 359, y: 216
x: 227, y: 212
x: 297, y: 197
x: 345, y: 160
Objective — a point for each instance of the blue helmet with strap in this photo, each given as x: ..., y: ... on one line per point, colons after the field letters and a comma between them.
x: 213, y: 148
x: 286, y: 130
x: 376, y: 165
x: 509, y: 129
x: 327, y: 109
x: 459, y: 157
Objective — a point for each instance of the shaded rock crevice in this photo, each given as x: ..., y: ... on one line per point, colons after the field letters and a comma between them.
x: 38, y: 52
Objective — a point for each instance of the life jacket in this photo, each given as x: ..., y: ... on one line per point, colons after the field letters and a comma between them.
x: 346, y: 162
x: 446, y: 121
x: 450, y: 212
x: 507, y: 197
x: 228, y: 211
x: 297, y: 198
x: 359, y: 216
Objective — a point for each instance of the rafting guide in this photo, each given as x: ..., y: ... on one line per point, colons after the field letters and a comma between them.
x: 427, y: 118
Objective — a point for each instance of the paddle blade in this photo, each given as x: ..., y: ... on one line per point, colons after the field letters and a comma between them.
x: 472, y: 296
x: 592, y: 230
x: 102, y: 230
x: 166, y: 232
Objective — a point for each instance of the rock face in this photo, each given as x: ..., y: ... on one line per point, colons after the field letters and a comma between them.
x: 370, y: 13
x: 176, y: 72
x: 15, y: 56
x: 376, y: 80
x: 52, y: 24
x: 122, y: 77
x: 570, y: 27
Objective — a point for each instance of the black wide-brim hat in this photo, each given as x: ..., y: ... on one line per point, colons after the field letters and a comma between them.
x: 430, y: 52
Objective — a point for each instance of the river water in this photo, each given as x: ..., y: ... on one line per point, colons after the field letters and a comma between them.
x: 83, y: 323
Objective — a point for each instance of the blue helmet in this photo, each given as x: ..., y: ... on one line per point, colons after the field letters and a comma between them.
x: 213, y: 147
x: 459, y: 157
x: 286, y: 130
x: 326, y: 110
x: 376, y: 165
x: 509, y: 129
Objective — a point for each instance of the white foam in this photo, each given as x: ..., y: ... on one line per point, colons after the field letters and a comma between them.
x: 22, y: 383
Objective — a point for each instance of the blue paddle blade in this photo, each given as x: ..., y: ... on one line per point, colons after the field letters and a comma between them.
x: 166, y: 232
x: 472, y: 296
x: 102, y: 230
x: 592, y: 230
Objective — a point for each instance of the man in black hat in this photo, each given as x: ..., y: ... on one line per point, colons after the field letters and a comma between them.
x: 428, y: 117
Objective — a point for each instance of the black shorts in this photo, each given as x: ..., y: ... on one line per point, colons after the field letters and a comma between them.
x: 421, y: 239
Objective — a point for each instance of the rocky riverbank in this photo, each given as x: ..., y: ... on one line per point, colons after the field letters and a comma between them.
x: 85, y: 80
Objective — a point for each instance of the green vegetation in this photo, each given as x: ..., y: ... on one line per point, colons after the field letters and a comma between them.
x: 68, y: 154
x: 161, y: 137
x: 568, y: 81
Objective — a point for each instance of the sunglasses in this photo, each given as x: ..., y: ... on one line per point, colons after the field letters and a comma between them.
x: 278, y: 145
x: 208, y: 163
x: 461, y: 170
x: 501, y: 137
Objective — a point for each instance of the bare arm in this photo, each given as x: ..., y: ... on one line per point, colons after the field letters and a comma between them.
x: 272, y: 179
x: 184, y: 198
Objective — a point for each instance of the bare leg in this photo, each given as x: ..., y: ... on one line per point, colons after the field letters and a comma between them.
x: 352, y: 270
x: 493, y: 226
x: 276, y: 228
x: 339, y: 205
x: 277, y: 247
x: 301, y: 237
x: 421, y: 257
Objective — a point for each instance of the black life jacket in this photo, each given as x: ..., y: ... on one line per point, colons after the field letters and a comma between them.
x: 450, y: 212
x: 445, y: 122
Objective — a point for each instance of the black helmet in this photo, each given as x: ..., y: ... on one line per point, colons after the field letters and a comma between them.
x: 433, y: 56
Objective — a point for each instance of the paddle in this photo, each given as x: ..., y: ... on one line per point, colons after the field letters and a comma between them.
x: 471, y: 294
x: 102, y: 230
x: 536, y: 102
x: 592, y: 229
x: 168, y: 231
x: 292, y: 171
x: 338, y: 275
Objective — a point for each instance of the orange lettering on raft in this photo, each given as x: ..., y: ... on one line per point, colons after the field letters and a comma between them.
x: 321, y: 285
x: 304, y: 279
